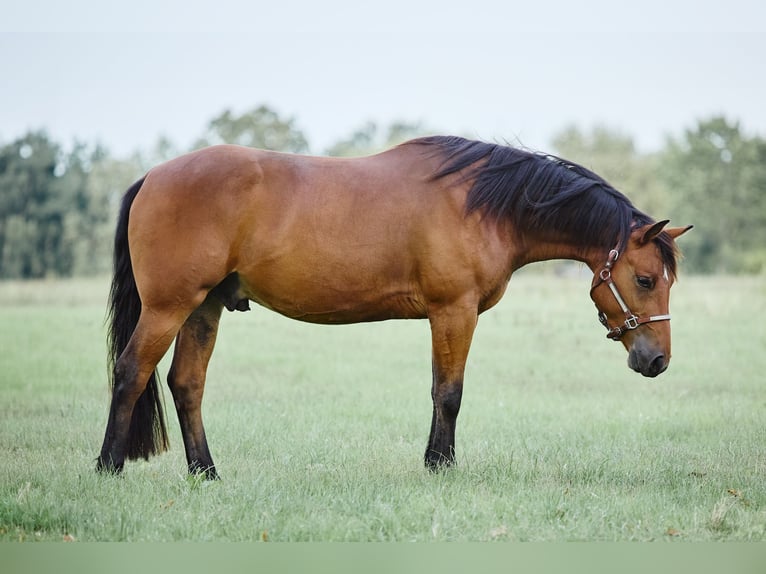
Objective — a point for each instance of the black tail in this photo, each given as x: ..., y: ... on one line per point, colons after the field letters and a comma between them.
x: 148, y: 434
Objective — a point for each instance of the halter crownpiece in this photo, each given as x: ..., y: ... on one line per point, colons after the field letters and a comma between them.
x: 632, y: 321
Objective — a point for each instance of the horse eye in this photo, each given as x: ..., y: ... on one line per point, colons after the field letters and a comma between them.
x: 644, y: 282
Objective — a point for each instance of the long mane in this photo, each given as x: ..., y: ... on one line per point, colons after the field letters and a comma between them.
x: 543, y: 193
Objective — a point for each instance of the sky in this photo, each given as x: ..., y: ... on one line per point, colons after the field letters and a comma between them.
x: 124, y: 74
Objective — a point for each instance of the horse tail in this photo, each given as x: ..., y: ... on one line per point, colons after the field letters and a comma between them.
x: 148, y: 433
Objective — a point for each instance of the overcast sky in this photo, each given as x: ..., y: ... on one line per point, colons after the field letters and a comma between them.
x: 497, y: 70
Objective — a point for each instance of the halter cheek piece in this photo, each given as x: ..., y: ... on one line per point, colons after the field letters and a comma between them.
x: 631, y: 321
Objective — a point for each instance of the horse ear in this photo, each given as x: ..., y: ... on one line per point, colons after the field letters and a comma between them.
x: 648, y: 232
x: 674, y: 232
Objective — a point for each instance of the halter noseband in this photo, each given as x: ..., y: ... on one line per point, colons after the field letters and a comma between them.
x: 631, y: 321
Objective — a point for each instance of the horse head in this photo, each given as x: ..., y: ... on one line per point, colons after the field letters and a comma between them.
x: 632, y: 291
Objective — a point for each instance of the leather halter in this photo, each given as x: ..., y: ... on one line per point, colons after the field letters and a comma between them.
x: 632, y: 321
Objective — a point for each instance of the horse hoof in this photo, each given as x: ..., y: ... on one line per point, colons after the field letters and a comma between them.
x: 206, y: 472
x: 436, y: 461
x: 103, y: 467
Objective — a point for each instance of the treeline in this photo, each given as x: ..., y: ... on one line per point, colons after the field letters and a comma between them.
x: 58, y: 204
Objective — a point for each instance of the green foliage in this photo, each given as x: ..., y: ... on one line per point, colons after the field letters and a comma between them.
x: 614, y: 157
x: 370, y: 138
x: 50, y: 219
x: 107, y: 180
x: 717, y: 179
x: 261, y: 127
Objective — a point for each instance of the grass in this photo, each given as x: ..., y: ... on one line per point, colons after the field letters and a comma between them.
x: 319, y: 432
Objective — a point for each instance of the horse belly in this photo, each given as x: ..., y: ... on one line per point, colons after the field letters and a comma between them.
x: 331, y: 295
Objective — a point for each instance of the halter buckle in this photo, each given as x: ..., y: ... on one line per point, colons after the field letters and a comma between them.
x: 615, y: 334
x: 631, y: 323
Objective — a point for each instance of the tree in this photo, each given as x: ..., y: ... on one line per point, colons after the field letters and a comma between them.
x: 49, y: 219
x: 32, y: 225
x: 108, y: 179
x: 163, y: 150
x: 261, y: 127
x: 718, y: 180
x: 369, y: 139
x: 613, y: 156
x: 360, y: 142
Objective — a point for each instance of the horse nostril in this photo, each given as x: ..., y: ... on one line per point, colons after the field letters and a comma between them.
x: 657, y: 365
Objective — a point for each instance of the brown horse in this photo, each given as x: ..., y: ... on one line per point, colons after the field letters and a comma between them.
x: 432, y: 229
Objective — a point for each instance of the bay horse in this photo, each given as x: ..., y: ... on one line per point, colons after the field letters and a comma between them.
x: 431, y: 229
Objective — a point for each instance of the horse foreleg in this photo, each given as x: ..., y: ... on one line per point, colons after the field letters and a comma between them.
x: 451, y: 333
x: 194, y: 346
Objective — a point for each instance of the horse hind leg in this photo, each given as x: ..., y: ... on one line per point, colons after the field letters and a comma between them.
x: 194, y: 346
x: 133, y: 372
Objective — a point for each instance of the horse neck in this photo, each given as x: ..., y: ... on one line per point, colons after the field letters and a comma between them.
x: 535, y: 249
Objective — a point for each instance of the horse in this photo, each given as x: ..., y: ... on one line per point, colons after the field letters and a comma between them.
x: 430, y: 229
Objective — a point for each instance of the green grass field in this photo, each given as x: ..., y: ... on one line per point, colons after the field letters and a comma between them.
x: 318, y: 432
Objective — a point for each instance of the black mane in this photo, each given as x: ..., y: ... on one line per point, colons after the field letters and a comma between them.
x: 541, y: 192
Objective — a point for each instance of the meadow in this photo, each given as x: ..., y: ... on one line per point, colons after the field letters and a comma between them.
x: 319, y: 432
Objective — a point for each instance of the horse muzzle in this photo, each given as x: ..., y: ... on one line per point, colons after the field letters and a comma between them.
x: 647, y: 360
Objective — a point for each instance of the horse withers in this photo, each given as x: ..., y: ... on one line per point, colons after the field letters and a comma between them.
x: 431, y: 229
